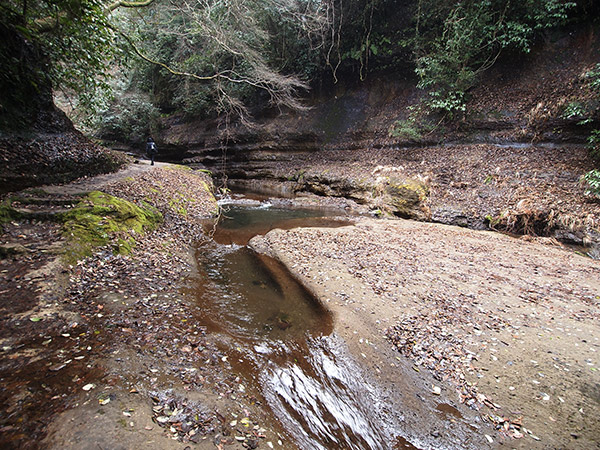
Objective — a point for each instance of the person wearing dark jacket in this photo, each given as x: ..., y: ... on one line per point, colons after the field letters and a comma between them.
x: 151, y: 150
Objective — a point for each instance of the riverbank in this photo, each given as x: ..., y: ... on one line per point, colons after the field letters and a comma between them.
x: 513, y: 162
x: 107, y: 352
x: 507, y: 326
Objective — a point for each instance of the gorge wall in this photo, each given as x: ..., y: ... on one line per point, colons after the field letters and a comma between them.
x: 512, y: 163
x: 38, y: 142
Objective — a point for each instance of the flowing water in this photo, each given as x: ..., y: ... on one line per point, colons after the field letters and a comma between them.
x: 283, y: 337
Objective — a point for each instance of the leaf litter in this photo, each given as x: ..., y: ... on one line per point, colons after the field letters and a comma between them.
x: 118, y: 306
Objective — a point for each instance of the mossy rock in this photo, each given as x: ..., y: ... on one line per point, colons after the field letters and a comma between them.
x: 101, y: 219
x: 179, y: 167
x: 178, y: 204
x: 8, y: 214
x: 12, y: 249
x: 406, y: 197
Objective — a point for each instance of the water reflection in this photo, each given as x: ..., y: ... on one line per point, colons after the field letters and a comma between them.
x: 251, y: 296
x: 240, y: 223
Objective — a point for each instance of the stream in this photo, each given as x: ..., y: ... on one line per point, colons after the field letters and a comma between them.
x: 280, y: 337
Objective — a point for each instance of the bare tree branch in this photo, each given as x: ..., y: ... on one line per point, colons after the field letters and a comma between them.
x: 164, y: 66
x: 280, y: 88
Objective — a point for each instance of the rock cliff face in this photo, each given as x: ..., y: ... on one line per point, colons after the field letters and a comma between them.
x: 521, y: 101
x: 38, y: 143
x: 512, y: 163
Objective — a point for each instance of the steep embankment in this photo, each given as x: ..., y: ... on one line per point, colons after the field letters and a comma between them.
x: 60, y: 156
x: 513, y: 163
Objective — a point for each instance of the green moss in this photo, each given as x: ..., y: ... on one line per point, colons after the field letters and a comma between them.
x: 36, y: 191
x: 178, y: 207
x: 8, y: 214
x: 147, y: 205
x: 493, y: 221
x: 298, y: 176
x: 101, y: 219
x: 179, y: 167
x: 407, y: 196
x: 177, y: 203
x: 208, y: 188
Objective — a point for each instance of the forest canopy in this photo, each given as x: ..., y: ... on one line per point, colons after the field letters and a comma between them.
x: 226, y: 58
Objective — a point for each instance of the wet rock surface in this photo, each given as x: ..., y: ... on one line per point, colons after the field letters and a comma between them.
x: 111, y: 352
x: 532, y: 189
x: 512, y: 163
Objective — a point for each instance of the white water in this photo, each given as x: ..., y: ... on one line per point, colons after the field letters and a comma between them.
x: 324, y: 399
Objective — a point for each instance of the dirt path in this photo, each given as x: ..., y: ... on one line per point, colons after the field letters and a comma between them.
x: 506, y: 326
x: 98, y: 182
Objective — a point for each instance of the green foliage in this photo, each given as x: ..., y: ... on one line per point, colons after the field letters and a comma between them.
x: 231, y: 55
x: 8, y: 214
x: 414, y: 127
x: 129, y: 119
x: 594, y: 138
x: 209, y: 57
x: 584, y: 109
x: 409, y: 129
x: 593, y: 142
x: 593, y: 182
x: 295, y: 37
x: 368, y: 35
x: 547, y: 13
x: 574, y: 110
x: 594, y: 78
x: 585, y: 106
x: 593, y: 177
x: 456, y: 41
x: 75, y: 40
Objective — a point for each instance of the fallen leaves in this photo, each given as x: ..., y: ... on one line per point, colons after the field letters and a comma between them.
x: 47, y: 342
x: 431, y: 341
x: 185, y: 420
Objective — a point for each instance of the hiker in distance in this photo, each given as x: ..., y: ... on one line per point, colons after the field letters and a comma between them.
x: 151, y: 150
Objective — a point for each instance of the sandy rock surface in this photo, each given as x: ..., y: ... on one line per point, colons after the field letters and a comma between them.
x: 506, y: 326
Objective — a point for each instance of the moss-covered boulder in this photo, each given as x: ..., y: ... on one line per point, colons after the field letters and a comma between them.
x: 406, y: 198
x: 101, y: 219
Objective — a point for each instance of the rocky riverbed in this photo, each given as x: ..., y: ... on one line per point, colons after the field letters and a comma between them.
x: 499, y: 335
x: 107, y: 352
